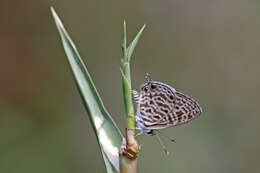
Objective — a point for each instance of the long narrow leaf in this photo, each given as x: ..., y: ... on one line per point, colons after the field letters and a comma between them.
x: 133, y: 44
x: 126, y: 80
x: 107, y: 133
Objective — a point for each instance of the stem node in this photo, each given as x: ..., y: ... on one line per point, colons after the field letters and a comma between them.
x: 131, y: 149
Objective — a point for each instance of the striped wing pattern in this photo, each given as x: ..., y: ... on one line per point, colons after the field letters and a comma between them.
x: 160, y: 106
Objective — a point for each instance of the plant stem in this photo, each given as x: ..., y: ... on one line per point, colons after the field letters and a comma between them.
x: 128, y: 153
x: 130, y: 149
x: 127, y: 89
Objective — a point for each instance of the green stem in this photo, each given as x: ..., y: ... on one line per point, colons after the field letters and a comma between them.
x: 129, y: 150
x: 127, y: 89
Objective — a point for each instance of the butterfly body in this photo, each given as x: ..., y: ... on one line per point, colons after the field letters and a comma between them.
x: 160, y: 106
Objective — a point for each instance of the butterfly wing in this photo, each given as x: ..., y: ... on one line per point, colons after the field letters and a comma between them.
x: 184, y: 110
x: 164, y: 107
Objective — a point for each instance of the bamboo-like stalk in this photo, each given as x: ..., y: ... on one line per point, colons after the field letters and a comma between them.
x: 107, y: 133
x: 129, y: 149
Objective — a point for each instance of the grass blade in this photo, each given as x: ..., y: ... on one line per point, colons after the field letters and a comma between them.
x: 107, y: 133
x: 133, y: 44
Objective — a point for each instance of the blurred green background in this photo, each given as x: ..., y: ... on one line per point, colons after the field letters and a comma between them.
x: 206, y: 49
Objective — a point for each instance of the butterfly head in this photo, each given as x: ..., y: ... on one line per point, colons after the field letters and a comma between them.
x: 148, y: 87
x: 151, y: 87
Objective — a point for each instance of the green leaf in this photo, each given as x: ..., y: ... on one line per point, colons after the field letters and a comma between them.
x: 107, y: 133
x: 133, y: 44
x: 126, y: 74
x: 124, y: 48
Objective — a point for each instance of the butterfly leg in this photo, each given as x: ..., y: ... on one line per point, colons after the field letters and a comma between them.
x: 166, y: 136
x: 162, y: 144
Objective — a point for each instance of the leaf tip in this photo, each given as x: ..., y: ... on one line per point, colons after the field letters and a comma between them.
x: 54, y: 14
x: 51, y: 8
x: 143, y: 27
x: 57, y: 19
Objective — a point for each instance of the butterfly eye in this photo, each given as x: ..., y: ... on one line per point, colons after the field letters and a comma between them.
x: 153, y: 88
x: 145, y: 89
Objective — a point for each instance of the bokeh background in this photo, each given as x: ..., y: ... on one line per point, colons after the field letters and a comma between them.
x: 207, y: 49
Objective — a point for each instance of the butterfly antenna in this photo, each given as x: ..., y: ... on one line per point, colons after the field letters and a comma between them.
x: 148, y: 77
x: 163, y: 146
x: 171, y: 139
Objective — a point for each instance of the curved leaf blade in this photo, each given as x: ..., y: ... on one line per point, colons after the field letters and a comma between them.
x: 107, y: 133
x: 133, y: 44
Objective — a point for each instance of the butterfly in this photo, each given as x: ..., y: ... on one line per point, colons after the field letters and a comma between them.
x: 160, y: 106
